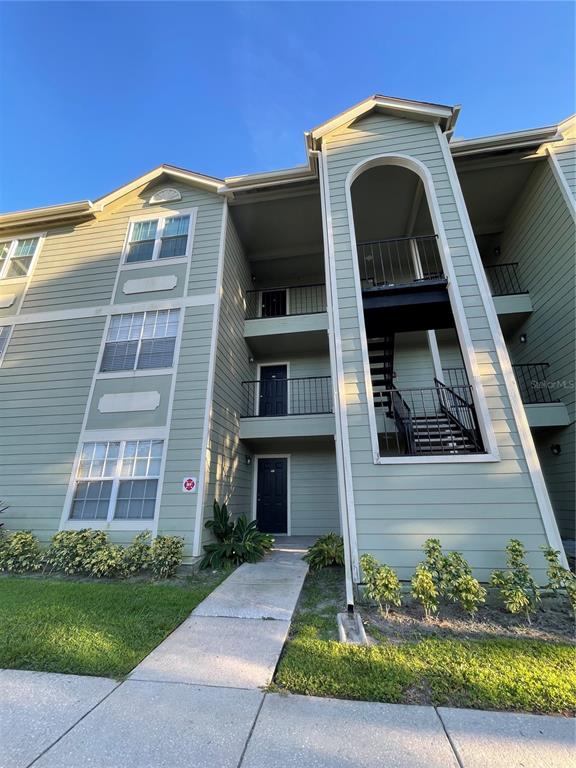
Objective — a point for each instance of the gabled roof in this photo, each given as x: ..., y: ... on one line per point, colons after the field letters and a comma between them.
x: 446, y: 116
x: 85, y: 209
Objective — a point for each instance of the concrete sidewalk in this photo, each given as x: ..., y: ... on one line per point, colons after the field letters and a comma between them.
x: 197, y: 700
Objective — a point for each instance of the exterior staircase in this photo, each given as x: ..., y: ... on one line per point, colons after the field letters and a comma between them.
x: 439, y: 435
x: 381, y: 358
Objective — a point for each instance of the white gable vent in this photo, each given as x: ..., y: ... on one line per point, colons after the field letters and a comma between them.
x: 165, y: 195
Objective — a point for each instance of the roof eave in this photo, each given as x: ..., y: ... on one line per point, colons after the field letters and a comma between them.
x: 505, y: 141
x: 49, y: 215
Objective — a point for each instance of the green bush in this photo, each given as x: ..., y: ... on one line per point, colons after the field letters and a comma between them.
x: 452, y: 577
x: 72, y: 552
x: 166, y: 556
x: 424, y: 590
x: 518, y: 589
x: 136, y: 556
x: 237, y: 542
x: 381, y: 584
x: 20, y: 552
x: 560, y: 579
x: 326, y: 551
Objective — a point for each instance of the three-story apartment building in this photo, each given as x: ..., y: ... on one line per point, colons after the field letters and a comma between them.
x: 379, y: 342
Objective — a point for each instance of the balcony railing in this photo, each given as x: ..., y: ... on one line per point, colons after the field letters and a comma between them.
x: 533, y: 383
x: 288, y: 397
x: 399, y: 261
x: 286, y: 300
x: 504, y: 279
x: 434, y: 420
x: 531, y: 378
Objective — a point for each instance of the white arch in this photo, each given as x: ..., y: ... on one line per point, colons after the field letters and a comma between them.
x: 462, y: 329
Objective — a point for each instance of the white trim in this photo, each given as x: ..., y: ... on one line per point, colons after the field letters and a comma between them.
x: 160, y: 218
x: 204, y: 468
x: 10, y: 331
x: 109, y: 525
x: 255, y: 460
x: 342, y: 439
x: 462, y: 330
x: 435, y: 352
x: 526, y: 439
x: 562, y: 182
x: 155, y: 263
x: 26, y: 279
x: 136, y: 373
x: 111, y: 309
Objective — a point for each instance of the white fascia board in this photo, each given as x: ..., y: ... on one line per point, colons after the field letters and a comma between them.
x: 36, y: 216
x: 505, y: 141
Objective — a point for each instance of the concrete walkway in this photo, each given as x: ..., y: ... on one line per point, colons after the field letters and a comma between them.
x: 196, y: 700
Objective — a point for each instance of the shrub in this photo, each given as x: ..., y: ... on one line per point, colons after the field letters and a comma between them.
x: 452, y: 577
x: 424, y: 590
x: 166, y: 556
x: 20, y: 552
x: 560, y: 578
x: 73, y: 551
x: 136, y: 556
x: 381, y: 584
x: 518, y: 589
x: 237, y: 542
x: 328, y: 550
x: 106, y: 562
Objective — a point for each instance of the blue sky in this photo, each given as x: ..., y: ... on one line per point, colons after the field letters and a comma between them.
x: 94, y: 94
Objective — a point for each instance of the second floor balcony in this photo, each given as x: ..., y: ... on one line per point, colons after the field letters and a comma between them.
x: 511, y: 299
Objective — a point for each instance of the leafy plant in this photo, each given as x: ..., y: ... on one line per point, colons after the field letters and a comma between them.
x: 326, y: 551
x: 424, y: 590
x: 136, y: 556
x: 453, y: 577
x: 237, y: 542
x: 381, y: 584
x: 20, y: 552
x: 72, y: 552
x: 166, y: 556
x: 518, y: 590
x: 106, y: 562
x: 560, y: 578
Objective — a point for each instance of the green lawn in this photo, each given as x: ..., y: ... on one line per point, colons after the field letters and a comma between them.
x: 507, y: 674
x: 87, y: 628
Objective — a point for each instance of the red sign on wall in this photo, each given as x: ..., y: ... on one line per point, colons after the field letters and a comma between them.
x: 189, y: 484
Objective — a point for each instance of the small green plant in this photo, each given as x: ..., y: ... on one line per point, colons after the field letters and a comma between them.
x: 20, y: 552
x: 424, y: 590
x: 106, y: 562
x: 518, y: 590
x: 560, y: 579
x: 326, y: 551
x: 381, y: 584
x: 237, y: 541
x: 453, y: 577
x: 136, y: 556
x: 72, y: 552
x: 166, y: 556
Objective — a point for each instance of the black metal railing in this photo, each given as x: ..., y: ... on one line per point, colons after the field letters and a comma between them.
x: 533, y: 383
x: 428, y: 421
x: 504, y: 279
x: 399, y: 261
x: 288, y: 397
x: 456, y: 377
x: 286, y: 300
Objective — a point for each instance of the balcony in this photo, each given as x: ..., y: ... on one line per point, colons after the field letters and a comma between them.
x: 510, y: 299
x: 431, y: 421
x: 287, y: 319
x: 402, y: 282
x: 542, y: 408
x: 293, y: 407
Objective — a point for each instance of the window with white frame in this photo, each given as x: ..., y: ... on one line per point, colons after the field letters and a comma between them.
x: 117, y: 480
x: 4, y: 336
x: 154, y: 239
x: 141, y: 340
x: 16, y: 256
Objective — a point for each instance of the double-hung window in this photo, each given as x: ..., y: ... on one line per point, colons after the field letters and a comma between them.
x: 16, y: 256
x: 154, y: 239
x: 141, y: 340
x: 117, y: 480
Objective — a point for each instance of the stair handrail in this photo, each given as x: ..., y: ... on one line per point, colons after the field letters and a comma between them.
x: 471, y: 429
x: 402, y: 418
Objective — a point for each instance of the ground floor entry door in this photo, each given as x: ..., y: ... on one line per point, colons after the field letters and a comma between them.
x: 272, y: 495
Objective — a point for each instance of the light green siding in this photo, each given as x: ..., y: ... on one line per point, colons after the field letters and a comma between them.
x: 131, y: 385
x: 386, y: 495
x: 412, y: 361
x: 313, y: 491
x: 229, y: 476
x: 44, y: 383
x: 177, y: 271
x: 539, y: 235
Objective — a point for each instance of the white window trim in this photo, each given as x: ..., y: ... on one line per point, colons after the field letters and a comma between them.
x: 3, y: 351
x: 288, y: 457
x: 462, y: 330
x: 160, y: 219
x: 111, y: 436
x: 13, y: 245
x: 136, y: 372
